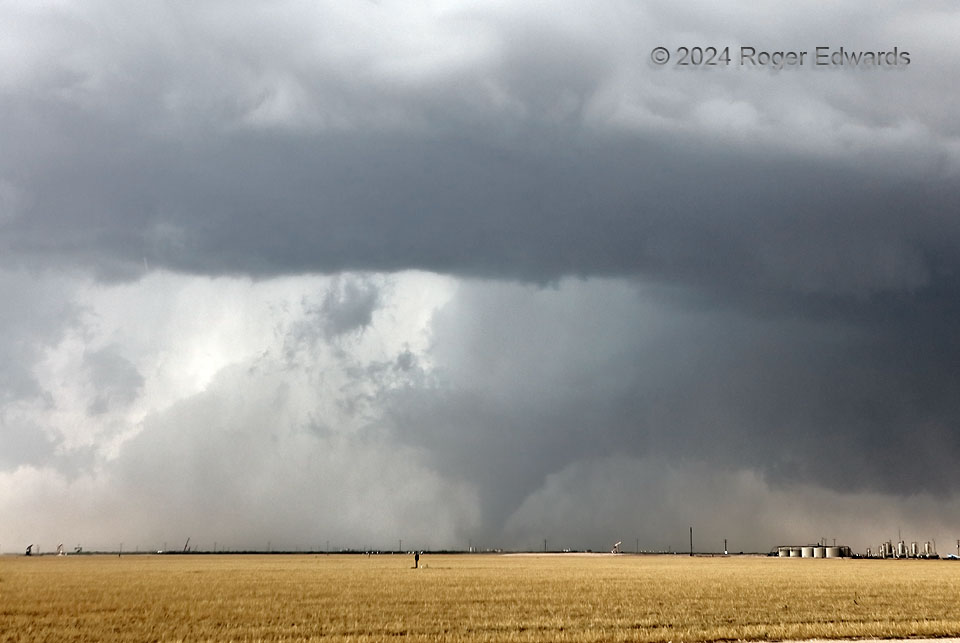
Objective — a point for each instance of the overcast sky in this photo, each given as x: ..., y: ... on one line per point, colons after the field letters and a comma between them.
x: 310, y: 274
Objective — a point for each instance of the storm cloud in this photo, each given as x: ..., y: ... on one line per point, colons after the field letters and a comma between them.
x: 312, y: 272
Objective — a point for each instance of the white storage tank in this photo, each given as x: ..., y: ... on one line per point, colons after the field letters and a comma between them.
x: 783, y: 552
x: 819, y: 552
x: 806, y: 552
x: 794, y: 552
x: 832, y: 552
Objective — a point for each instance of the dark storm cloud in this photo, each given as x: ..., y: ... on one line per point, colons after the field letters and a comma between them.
x: 534, y: 381
x: 596, y: 207
x: 498, y: 154
x: 771, y: 260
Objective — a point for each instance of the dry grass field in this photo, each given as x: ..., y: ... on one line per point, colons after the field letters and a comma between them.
x: 472, y: 598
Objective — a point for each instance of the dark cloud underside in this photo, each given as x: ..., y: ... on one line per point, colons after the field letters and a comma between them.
x: 709, y: 217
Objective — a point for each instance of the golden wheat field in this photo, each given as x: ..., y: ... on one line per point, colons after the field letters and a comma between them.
x: 472, y: 598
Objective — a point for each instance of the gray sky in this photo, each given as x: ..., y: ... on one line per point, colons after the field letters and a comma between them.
x: 477, y: 273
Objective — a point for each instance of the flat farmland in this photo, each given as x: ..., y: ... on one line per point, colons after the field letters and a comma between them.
x: 472, y: 598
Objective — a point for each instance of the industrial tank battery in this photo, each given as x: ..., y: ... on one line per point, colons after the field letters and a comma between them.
x: 901, y: 549
x: 914, y: 550
x: 818, y: 551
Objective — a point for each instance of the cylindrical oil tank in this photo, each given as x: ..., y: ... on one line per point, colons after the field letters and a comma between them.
x: 832, y: 552
x: 869, y: 553
x: 927, y: 549
x: 914, y: 550
x: 901, y: 549
x: 794, y: 552
x: 806, y: 552
x: 783, y: 552
x: 819, y: 552
x: 888, y: 549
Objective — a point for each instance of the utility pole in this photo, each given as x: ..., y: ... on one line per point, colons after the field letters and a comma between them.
x: 724, y: 546
x: 691, y: 541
